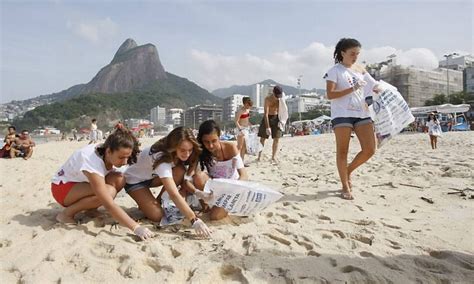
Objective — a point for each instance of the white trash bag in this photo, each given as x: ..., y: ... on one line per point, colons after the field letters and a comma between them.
x: 390, y: 113
x: 239, y: 197
x: 172, y: 214
x: 252, y: 141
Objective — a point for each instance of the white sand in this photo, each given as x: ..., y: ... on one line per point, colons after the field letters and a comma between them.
x: 309, y: 236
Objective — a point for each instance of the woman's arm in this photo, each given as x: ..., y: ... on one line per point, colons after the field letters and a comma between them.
x: 333, y: 94
x: 99, y: 187
x: 170, y: 187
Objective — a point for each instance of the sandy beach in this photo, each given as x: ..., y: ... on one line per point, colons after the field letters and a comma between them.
x: 388, y: 234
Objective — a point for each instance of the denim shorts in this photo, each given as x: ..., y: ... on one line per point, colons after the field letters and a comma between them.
x: 132, y: 187
x: 351, y: 122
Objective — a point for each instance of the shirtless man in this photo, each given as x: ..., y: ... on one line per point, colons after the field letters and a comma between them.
x: 23, y: 146
x: 269, y: 125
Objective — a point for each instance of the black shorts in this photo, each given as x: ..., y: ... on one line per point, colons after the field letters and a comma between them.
x: 132, y: 187
x: 273, y: 120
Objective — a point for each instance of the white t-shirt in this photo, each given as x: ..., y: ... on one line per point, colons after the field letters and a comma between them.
x: 84, y: 159
x: 353, y: 104
x: 143, y: 169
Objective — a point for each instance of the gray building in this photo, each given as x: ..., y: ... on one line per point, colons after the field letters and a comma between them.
x: 158, y: 115
x: 419, y: 85
x: 230, y: 107
x: 194, y: 116
x: 305, y: 103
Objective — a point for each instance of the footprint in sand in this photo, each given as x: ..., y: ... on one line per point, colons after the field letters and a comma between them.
x: 366, y: 254
x: 325, y: 218
x: 233, y: 273
x: 394, y: 245
x: 362, y: 239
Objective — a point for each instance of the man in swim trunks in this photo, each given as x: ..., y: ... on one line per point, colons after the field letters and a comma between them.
x: 269, y: 125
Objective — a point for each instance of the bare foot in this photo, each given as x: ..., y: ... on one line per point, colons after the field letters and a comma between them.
x: 346, y: 194
x: 275, y: 161
x: 64, y: 219
x: 93, y: 213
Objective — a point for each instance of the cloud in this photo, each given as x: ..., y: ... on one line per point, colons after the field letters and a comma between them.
x: 95, y: 30
x: 216, y: 70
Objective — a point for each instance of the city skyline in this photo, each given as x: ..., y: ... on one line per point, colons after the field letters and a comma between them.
x: 48, y: 46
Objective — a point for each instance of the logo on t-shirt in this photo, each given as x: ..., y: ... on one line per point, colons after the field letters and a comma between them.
x: 61, y: 172
x: 325, y: 76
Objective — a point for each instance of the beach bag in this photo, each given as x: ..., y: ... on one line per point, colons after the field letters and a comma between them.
x: 239, y: 197
x: 390, y: 113
x: 252, y: 141
x: 436, y: 130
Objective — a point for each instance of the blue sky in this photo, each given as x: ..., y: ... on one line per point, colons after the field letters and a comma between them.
x: 48, y: 46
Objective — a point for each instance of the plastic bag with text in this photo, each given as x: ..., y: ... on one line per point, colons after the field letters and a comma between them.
x: 239, y: 197
x: 252, y: 141
x: 172, y: 214
x: 390, y: 113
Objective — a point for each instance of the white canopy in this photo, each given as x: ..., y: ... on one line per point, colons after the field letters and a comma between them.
x: 446, y: 108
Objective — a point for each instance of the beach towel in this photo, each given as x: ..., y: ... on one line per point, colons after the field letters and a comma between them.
x: 282, y: 113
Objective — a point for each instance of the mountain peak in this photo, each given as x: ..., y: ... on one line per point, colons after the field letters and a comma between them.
x: 128, y: 44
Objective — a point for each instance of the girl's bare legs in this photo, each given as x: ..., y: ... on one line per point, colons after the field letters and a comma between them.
x: 343, y: 136
x: 82, y: 197
x: 365, y: 134
x: 147, y: 203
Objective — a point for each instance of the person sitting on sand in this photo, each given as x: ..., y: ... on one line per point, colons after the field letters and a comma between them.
x: 242, y: 122
x: 9, y: 140
x: 220, y: 159
x: 87, y: 180
x: 22, y: 146
x: 163, y: 164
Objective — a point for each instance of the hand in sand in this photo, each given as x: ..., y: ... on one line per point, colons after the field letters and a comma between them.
x: 143, y: 233
x: 201, y: 229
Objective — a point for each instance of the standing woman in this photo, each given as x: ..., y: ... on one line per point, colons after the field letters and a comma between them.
x: 434, y: 130
x: 94, y: 132
x: 242, y: 122
x: 87, y: 180
x: 163, y: 164
x: 220, y: 159
x: 345, y: 83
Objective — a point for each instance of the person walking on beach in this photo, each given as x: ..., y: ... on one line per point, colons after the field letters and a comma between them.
x: 242, y: 122
x: 93, y: 131
x: 220, y: 159
x: 88, y: 180
x: 345, y: 83
x: 271, y: 124
x: 164, y: 164
x: 434, y: 130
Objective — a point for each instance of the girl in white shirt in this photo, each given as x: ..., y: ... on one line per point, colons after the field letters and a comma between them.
x: 434, y: 130
x: 87, y: 180
x: 163, y: 164
x: 220, y: 159
x: 349, y: 86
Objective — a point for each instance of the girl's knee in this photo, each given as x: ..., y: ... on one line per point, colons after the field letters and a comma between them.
x: 152, y: 211
x: 200, y: 180
x: 217, y: 213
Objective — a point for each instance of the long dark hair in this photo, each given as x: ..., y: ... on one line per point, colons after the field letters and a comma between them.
x: 120, y: 138
x: 168, y: 145
x: 206, y: 128
x: 343, y: 45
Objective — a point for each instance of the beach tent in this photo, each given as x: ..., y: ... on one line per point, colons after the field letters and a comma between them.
x: 446, y: 108
x: 321, y: 119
